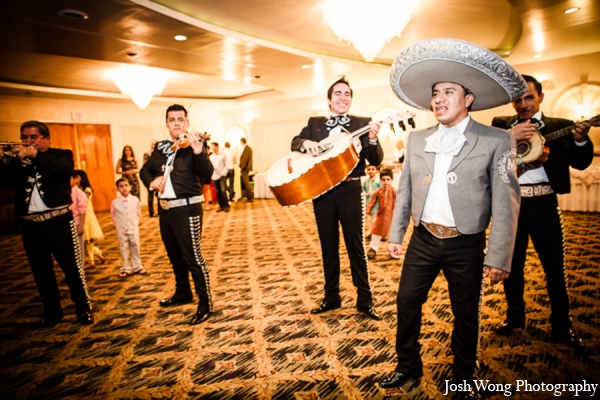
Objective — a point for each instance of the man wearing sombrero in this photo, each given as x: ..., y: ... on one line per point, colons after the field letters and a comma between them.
x: 457, y: 175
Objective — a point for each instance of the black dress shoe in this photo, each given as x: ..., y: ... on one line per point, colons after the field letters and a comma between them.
x: 400, y: 379
x: 508, y: 326
x: 175, y: 301
x: 567, y: 336
x: 199, y: 317
x: 324, y: 307
x: 371, y: 313
x: 47, y: 321
x: 85, y: 318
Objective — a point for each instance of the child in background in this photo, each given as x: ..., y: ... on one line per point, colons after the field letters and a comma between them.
x: 92, y: 230
x: 79, y: 207
x: 370, y: 185
x: 385, y: 197
x: 125, y: 211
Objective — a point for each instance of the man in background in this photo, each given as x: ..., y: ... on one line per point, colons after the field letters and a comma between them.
x: 245, y: 168
x: 231, y: 161
x: 151, y: 192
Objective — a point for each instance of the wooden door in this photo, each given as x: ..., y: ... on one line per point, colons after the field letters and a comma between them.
x: 62, y: 136
x: 92, y: 152
x: 95, y: 158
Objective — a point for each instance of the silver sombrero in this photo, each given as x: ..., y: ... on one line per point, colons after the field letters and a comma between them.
x: 491, y: 79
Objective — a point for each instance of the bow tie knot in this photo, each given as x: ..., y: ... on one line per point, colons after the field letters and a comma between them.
x: 336, y: 120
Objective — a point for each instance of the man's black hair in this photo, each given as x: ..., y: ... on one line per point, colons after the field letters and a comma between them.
x: 42, y: 127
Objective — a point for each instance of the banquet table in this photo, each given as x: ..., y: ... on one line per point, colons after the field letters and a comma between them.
x: 585, y: 191
x: 261, y: 190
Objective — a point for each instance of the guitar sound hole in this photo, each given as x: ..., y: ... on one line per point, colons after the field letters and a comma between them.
x: 523, y: 148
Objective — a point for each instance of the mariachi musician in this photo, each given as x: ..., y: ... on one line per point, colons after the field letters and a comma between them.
x: 40, y: 176
x: 540, y: 215
x: 344, y: 204
x: 175, y: 173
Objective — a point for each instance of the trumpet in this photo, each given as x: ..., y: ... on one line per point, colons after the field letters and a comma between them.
x: 7, y: 149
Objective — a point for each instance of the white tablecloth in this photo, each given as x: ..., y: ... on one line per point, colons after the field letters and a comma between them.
x: 585, y: 191
x: 261, y: 190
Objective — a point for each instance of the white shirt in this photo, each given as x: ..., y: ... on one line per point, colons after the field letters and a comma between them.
x: 229, y: 157
x: 219, y: 165
x: 437, y: 207
x: 169, y: 192
x: 537, y: 175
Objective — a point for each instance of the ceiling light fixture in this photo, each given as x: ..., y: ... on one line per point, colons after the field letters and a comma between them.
x: 350, y: 21
x: 571, y: 10
x: 73, y: 14
x: 141, y: 84
x: 180, y: 38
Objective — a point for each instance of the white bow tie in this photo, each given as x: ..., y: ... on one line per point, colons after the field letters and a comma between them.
x: 445, y: 141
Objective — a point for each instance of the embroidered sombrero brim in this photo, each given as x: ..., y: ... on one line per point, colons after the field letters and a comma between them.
x: 491, y: 79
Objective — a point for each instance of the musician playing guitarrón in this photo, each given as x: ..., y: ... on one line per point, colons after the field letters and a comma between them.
x: 176, y: 177
x: 540, y: 216
x: 344, y: 204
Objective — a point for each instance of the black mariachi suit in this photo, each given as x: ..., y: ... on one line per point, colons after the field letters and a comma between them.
x: 181, y: 227
x: 540, y: 218
x: 343, y: 205
x: 51, y: 172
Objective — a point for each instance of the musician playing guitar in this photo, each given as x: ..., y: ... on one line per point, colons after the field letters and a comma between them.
x: 344, y: 203
x: 540, y: 217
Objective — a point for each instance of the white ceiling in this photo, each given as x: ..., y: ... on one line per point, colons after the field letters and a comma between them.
x: 254, y: 48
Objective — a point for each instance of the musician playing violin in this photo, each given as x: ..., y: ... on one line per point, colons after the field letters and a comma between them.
x: 174, y: 171
x: 540, y: 217
x: 344, y: 204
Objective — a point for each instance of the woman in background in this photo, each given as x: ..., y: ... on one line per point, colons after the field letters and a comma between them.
x: 128, y: 168
x: 92, y: 232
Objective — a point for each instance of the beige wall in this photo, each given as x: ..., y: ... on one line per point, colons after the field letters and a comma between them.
x: 270, y: 125
x: 129, y: 125
x: 570, y: 80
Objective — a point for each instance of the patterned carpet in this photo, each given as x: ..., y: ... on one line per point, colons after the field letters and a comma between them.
x: 261, y: 342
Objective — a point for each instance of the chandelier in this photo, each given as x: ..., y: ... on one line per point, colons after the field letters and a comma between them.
x: 140, y: 83
x: 367, y: 24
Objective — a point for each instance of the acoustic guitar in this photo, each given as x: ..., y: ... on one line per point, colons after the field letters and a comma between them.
x: 301, y: 177
x: 532, y: 153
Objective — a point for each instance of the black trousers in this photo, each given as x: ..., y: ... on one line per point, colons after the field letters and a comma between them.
x: 56, y: 237
x: 151, y: 195
x: 181, y: 229
x: 540, y: 218
x: 343, y: 205
x: 230, y: 182
x: 221, y: 191
x: 461, y: 259
x: 246, y: 184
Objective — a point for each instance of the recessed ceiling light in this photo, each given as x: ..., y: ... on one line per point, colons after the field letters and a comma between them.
x: 180, y: 38
x: 73, y: 14
x: 571, y: 10
x: 306, y: 66
x: 538, y: 56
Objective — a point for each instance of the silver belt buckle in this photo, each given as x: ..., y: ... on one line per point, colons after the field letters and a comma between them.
x: 164, y: 204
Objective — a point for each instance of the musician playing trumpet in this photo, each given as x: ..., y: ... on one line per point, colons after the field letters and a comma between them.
x: 40, y: 176
x: 174, y: 171
x: 540, y: 216
x: 344, y: 204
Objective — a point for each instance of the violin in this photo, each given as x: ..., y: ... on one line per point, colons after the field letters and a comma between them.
x: 182, y: 141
